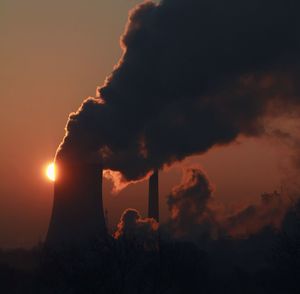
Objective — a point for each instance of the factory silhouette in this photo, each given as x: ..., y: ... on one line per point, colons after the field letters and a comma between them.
x: 193, y: 75
x: 78, y: 215
x: 176, y: 92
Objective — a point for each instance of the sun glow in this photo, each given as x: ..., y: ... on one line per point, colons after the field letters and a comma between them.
x: 50, y: 171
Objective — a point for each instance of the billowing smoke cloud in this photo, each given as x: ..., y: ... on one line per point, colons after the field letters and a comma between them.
x: 133, y: 228
x: 270, y: 212
x: 188, y: 203
x: 195, y: 215
x: 194, y: 74
x: 286, y: 133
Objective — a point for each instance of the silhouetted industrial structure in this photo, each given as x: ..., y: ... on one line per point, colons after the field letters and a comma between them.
x: 77, y: 215
x: 153, y: 200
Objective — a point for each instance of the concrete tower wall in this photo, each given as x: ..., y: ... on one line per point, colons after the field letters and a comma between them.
x: 153, y: 200
x: 77, y: 215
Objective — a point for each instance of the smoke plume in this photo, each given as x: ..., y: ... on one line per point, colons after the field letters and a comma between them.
x: 285, y: 133
x: 270, y: 212
x: 194, y: 74
x: 194, y: 213
x: 133, y: 228
x: 188, y: 203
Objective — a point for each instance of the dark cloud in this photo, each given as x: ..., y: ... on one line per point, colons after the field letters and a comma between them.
x: 194, y: 74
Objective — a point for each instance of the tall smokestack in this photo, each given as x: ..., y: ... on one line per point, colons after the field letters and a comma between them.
x: 77, y: 216
x: 153, y: 204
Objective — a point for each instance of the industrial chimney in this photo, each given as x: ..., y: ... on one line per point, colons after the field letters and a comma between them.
x: 153, y: 201
x: 77, y: 215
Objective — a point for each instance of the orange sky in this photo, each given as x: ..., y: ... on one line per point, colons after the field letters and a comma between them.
x: 53, y: 54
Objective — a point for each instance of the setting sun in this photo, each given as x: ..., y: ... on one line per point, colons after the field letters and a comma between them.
x: 50, y: 172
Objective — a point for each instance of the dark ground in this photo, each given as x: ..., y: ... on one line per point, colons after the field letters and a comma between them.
x: 268, y: 262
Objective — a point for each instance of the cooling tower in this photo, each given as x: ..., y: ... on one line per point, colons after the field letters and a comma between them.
x: 153, y: 204
x: 77, y: 215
